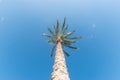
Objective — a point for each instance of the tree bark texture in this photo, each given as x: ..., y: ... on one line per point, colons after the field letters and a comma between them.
x: 60, y: 69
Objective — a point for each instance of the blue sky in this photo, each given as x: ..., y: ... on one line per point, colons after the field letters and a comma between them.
x: 25, y: 55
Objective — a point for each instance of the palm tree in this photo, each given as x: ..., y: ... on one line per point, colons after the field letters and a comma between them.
x: 61, y: 38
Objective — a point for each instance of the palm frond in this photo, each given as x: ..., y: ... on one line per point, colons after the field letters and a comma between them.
x: 52, y: 52
x: 63, y: 26
x: 65, y: 29
x: 69, y: 33
x: 75, y: 48
x: 50, y: 31
x: 57, y: 28
x: 66, y: 53
x: 66, y: 43
x: 76, y: 38
x: 69, y: 40
x: 51, y: 41
x: 44, y: 34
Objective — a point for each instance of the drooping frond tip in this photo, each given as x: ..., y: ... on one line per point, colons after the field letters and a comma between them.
x: 61, y: 34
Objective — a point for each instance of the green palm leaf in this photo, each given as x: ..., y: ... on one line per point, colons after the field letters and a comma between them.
x: 50, y: 31
x: 57, y: 28
x: 63, y: 26
x: 75, y: 48
x: 47, y: 35
x: 66, y: 53
x: 78, y: 37
x: 69, y: 33
x: 65, y: 29
x: 51, y: 41
x: 69, y: 40
x: 66, y: 43
x: 53, y: 49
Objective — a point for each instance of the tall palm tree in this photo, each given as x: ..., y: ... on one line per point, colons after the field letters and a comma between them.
x: 61, y: 38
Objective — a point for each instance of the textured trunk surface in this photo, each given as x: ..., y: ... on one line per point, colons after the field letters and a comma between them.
x: 59, y: 69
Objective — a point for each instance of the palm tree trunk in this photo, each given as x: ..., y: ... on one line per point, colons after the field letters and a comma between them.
x: 59, y: 69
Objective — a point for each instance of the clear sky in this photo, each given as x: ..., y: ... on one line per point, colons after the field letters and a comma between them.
x: 25, y: 55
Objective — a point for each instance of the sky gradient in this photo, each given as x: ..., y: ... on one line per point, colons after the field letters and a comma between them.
x: 25, y: 54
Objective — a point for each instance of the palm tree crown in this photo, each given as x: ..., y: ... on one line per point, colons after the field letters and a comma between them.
x: 61, y: 35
